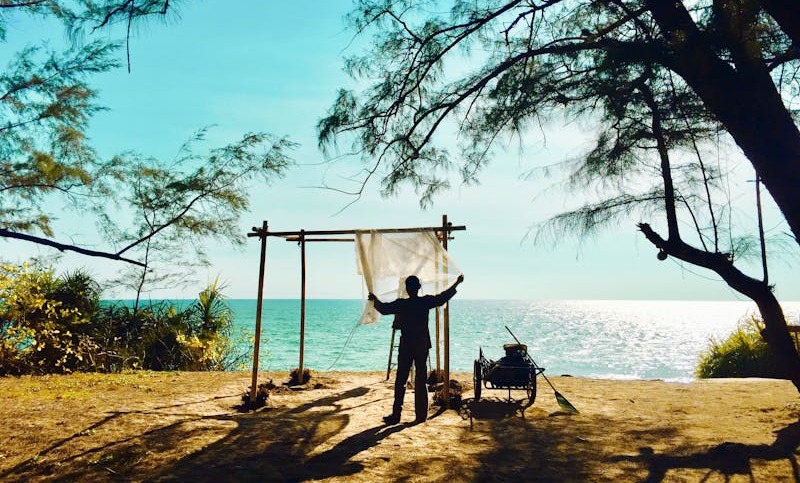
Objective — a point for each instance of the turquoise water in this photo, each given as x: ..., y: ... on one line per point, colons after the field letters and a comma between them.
x: 602, y: 339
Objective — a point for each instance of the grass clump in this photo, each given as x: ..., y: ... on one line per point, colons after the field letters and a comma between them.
x: 295, y: 378
x: 743, y: 354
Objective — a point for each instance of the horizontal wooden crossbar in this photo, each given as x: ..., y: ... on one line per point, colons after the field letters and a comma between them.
x: 309, y: 235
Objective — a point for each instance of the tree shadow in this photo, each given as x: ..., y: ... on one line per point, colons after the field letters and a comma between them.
x: 727, y: 458
x: 313, y: 441
x: 271, y: 444
x: 30, y: 465
x: 279, y: 445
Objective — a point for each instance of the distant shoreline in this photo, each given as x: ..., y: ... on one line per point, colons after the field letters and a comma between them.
x: 455, y: 301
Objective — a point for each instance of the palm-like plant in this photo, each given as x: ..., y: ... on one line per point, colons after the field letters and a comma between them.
x: 212, y: 311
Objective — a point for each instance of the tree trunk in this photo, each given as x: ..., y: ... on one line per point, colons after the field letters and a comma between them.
x: 776, y: 332
x: 758, y: 121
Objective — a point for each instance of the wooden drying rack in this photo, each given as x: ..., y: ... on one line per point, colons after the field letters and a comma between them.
x: 304, y: 236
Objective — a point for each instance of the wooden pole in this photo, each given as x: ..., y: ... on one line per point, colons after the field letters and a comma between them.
x: 259, y: 304
x: 391, y: 350
x: 438, y: 323
x: 302, y: 304
x: 446, y: 326
x: 438, y: 344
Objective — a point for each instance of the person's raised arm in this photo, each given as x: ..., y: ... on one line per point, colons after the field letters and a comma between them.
x: 383, y: 308
x: 448, y: 294
x: 456, y: 284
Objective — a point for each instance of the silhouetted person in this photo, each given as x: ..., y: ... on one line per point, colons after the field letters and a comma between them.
x: 411, y: 317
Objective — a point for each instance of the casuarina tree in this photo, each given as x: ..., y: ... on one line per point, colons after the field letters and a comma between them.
x: 147, y: 209
x: 660, y: 77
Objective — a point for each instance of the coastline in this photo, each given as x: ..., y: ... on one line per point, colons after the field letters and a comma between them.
x: 184, y: 426
x: 624, y: 339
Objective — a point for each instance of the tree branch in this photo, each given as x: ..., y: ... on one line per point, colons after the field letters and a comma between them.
x: 22, y: 4
x: 166, y: 224
x: 64, y: 247
x: 719, y: 263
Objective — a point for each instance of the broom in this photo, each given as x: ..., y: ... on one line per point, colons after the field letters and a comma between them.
x: 562, y: 401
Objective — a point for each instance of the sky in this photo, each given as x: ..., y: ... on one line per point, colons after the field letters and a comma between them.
x: 243, y: 66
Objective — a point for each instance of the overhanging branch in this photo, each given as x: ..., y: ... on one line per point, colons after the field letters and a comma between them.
x: 65, y: 247
x: 719, y: 263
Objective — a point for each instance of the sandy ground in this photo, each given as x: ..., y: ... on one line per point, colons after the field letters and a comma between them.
x: 148, y: 426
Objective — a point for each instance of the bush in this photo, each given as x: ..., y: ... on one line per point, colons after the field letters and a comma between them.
x: 45, y: 321
x: 162, y: 336
x: 743, y: 354
x: 50, y: 324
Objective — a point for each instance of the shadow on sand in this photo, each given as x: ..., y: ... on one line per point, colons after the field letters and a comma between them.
x: 505, y: 441
x: 268, y: 445
x: 726, y: 458
x: 279, y: 445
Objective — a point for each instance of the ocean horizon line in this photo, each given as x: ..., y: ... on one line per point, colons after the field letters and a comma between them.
x: 619, y: 339
x: 455, y: 300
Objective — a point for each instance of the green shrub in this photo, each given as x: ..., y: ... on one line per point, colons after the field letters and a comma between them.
x: 743, y: 354
x: 45, y: 321
x: 162, y: 336
x: 57, y: 324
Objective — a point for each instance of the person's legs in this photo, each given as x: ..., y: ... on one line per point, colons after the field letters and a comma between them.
x: 421, y: 384
x: 404, y: 361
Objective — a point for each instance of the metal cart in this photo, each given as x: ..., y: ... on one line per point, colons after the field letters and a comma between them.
x: 514, y: 371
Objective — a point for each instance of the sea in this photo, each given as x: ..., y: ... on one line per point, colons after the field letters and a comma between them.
x: 612, y: 339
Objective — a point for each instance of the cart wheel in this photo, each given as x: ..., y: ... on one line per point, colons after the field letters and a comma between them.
x: 531, y: 389
x: 476, y: 380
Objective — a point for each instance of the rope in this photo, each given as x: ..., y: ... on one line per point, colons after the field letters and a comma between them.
x: 347, y: 341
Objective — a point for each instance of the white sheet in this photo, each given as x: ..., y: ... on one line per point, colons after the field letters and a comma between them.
x: 386, y: 259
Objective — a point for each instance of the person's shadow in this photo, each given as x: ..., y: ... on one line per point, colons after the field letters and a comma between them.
x: 336, y: 461
x: 279, y: 444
